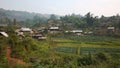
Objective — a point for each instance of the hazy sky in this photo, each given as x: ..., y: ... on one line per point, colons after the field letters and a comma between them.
x: 62, y: 7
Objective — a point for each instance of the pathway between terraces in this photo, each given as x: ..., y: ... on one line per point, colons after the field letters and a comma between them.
x: 11, y: 60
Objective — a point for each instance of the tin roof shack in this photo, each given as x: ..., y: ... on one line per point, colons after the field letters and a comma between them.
x: 77, y: 32
x: 42, y: 30
x: 4, y: 34
x: 110, y: 30
x: 26, y: 31
x: 36, y: 36
x: 53, y: 30
x: 89, y: 33
x: 3, y: 37
x: 20, y: 34
x: 39, y: 37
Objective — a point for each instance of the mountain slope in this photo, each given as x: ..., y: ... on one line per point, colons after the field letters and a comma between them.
x: 20, y: 15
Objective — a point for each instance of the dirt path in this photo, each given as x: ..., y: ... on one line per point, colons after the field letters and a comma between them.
x: 11, y: 60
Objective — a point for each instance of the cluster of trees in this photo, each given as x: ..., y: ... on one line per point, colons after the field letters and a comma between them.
x: 91, y: 21
x: 72, y: 21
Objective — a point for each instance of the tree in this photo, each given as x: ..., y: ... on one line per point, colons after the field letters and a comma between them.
x: 89, y: 19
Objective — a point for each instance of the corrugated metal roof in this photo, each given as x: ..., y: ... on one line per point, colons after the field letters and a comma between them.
x: 111, y: 27
x: 4, y: 34
x: 75, y: 31
x: 54, y: 27
x: 25, y: 29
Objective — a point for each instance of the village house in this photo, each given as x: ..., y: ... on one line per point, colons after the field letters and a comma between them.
x: 4, y: 34
x: 77, y: 32
x: 88, y: 32
x: 54, y: 30
x: 24, y: 31
x: 36, y: 36
x: 3, y: 31
x: 41, y: 30
x: 39, y: 36
x: 110, y: 30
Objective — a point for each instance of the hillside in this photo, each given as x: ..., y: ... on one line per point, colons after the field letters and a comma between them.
x: 20, y: 15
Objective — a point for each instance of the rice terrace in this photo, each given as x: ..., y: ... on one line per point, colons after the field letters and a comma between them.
x: 98, y: 47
